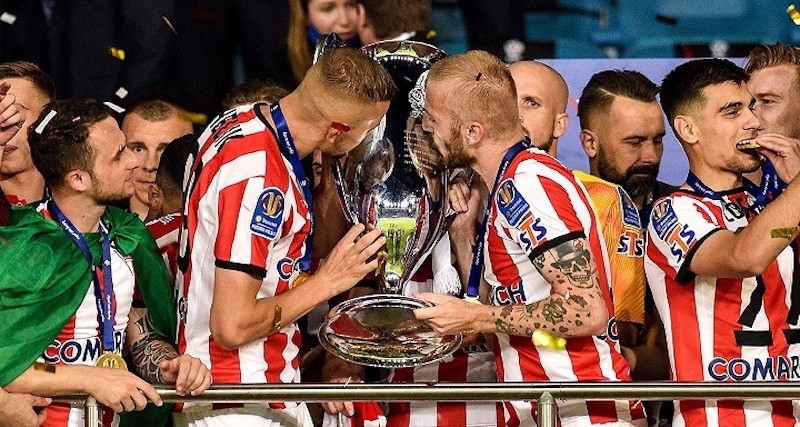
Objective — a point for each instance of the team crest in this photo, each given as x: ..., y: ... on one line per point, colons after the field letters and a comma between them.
x: 511, y: 204
x: 668, y: 228
x: 268, y: 215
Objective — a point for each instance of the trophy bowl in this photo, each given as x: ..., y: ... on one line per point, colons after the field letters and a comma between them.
x: 394, y: 180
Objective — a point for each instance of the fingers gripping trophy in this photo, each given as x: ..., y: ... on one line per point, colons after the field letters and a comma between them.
x: 394, y: 180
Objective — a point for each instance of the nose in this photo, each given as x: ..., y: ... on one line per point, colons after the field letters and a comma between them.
x: 426, y: 123
x: 753, y: 122
x: 343, y: 18
x: 649, y: 153
x: 150, y: 163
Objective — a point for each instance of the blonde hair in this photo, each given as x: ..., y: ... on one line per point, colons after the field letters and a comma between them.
x: 350, y: 74
x: 765, y: 56
x: 480, y: 88
x: 297, y: 46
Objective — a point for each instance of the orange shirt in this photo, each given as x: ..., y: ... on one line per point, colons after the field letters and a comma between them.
x: 625, y: 241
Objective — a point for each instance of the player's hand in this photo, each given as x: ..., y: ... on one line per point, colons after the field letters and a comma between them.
x: 449, y: 315
x: 17, y: 410
x: 345, y: 408
x: 783, y: 152
x: 466, y: 201
x: 188, y: 374
x: 349, y: 261
x: 121, y: 390
x: 10, y: 114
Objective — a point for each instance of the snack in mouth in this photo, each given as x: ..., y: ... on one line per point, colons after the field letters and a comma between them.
x: 747, y: 144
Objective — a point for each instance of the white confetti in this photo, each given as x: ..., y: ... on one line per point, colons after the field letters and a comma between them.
x: 114, y: 107
x: 8, y: 18
x: 121, y: 93
x: 40, y: 128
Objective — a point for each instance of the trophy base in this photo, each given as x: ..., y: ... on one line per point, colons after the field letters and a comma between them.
x: 381, y: 330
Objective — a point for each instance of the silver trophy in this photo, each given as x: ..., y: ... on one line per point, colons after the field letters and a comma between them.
x: 394, y: 180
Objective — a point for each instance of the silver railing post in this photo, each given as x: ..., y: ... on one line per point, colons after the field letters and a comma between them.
x: 91, y: 412
x: 546, y: 411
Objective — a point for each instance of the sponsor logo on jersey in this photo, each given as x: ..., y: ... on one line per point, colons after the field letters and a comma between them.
x: 73, y: 351
x: 678, y: 236
x: 268, y: 215
x: 758, y: 369
x: 286, y: 267
x: 631, y: 244
x: 507, y: 295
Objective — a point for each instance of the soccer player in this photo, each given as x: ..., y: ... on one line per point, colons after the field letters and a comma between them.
x: 15, y: 409
x: 542, y: 99
x: 544, y: 262
x: 245, y: 249
x: 165, y: 198
x: 622, y: 128
x: 75, y: 318
x: 721, y: 262
x: 149, y: 126
x: 31, y: 89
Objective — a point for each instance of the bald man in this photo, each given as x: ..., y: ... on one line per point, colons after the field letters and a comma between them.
x: 542, y: 100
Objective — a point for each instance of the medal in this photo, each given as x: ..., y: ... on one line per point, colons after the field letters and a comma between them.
x: 103, y: 290
x: 111, y: 361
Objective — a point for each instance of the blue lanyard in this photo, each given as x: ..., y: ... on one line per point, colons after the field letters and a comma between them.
x: 771, y: 186
x: 290, y: 152
x: 103, y: 295
x: 476, y: 270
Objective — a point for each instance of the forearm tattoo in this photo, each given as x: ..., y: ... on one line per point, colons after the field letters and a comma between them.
x: 570, y: 267
x: 150, y: 350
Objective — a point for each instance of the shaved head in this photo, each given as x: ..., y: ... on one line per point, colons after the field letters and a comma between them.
x: 542, y: 102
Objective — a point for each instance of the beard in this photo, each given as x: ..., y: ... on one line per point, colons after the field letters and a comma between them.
x: 636, y: 181
x: 739, y: 164
x: 456, y: 157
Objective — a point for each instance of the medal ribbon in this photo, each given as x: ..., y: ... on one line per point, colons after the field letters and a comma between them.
x: 290, y: 152
x: 771, y: 186
x: 476, y: 270
x: 103, y: 294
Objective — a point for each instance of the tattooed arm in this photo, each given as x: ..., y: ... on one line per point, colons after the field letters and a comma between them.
x: 156, y: 360
x: 575, y: 308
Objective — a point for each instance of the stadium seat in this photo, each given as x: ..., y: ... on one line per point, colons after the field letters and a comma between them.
x: 451, y: 33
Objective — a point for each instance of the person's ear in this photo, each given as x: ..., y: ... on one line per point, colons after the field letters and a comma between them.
x: 78, y: 180
x: 561, y: 124
x: 155, y: 202
x: 589, y: 143
x: 474, y: 132
x: 686, y: 129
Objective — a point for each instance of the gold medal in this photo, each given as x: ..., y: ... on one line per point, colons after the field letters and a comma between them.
x: 785, y: 233
x: 112, y: 361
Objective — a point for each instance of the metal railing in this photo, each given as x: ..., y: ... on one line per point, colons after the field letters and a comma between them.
x: 544, y: 392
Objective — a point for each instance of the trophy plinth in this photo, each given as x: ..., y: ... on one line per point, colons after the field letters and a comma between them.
x: 395, y: 181
x: 381, y: 330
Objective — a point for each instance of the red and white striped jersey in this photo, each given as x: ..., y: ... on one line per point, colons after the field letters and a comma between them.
x: 245, y: 211
x: 539, y: 204
x: 79, y: 343
x: 165, y: 231
x: 470, y: 364
x: 721, y: 329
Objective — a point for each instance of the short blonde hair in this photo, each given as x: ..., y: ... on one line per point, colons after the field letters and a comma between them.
x: 350, y: 74
x: 480, y: 89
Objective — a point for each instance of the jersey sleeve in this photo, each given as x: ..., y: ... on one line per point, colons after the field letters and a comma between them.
x: 251, y: 213
x: 678, y: 226
x: 539, y: 206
